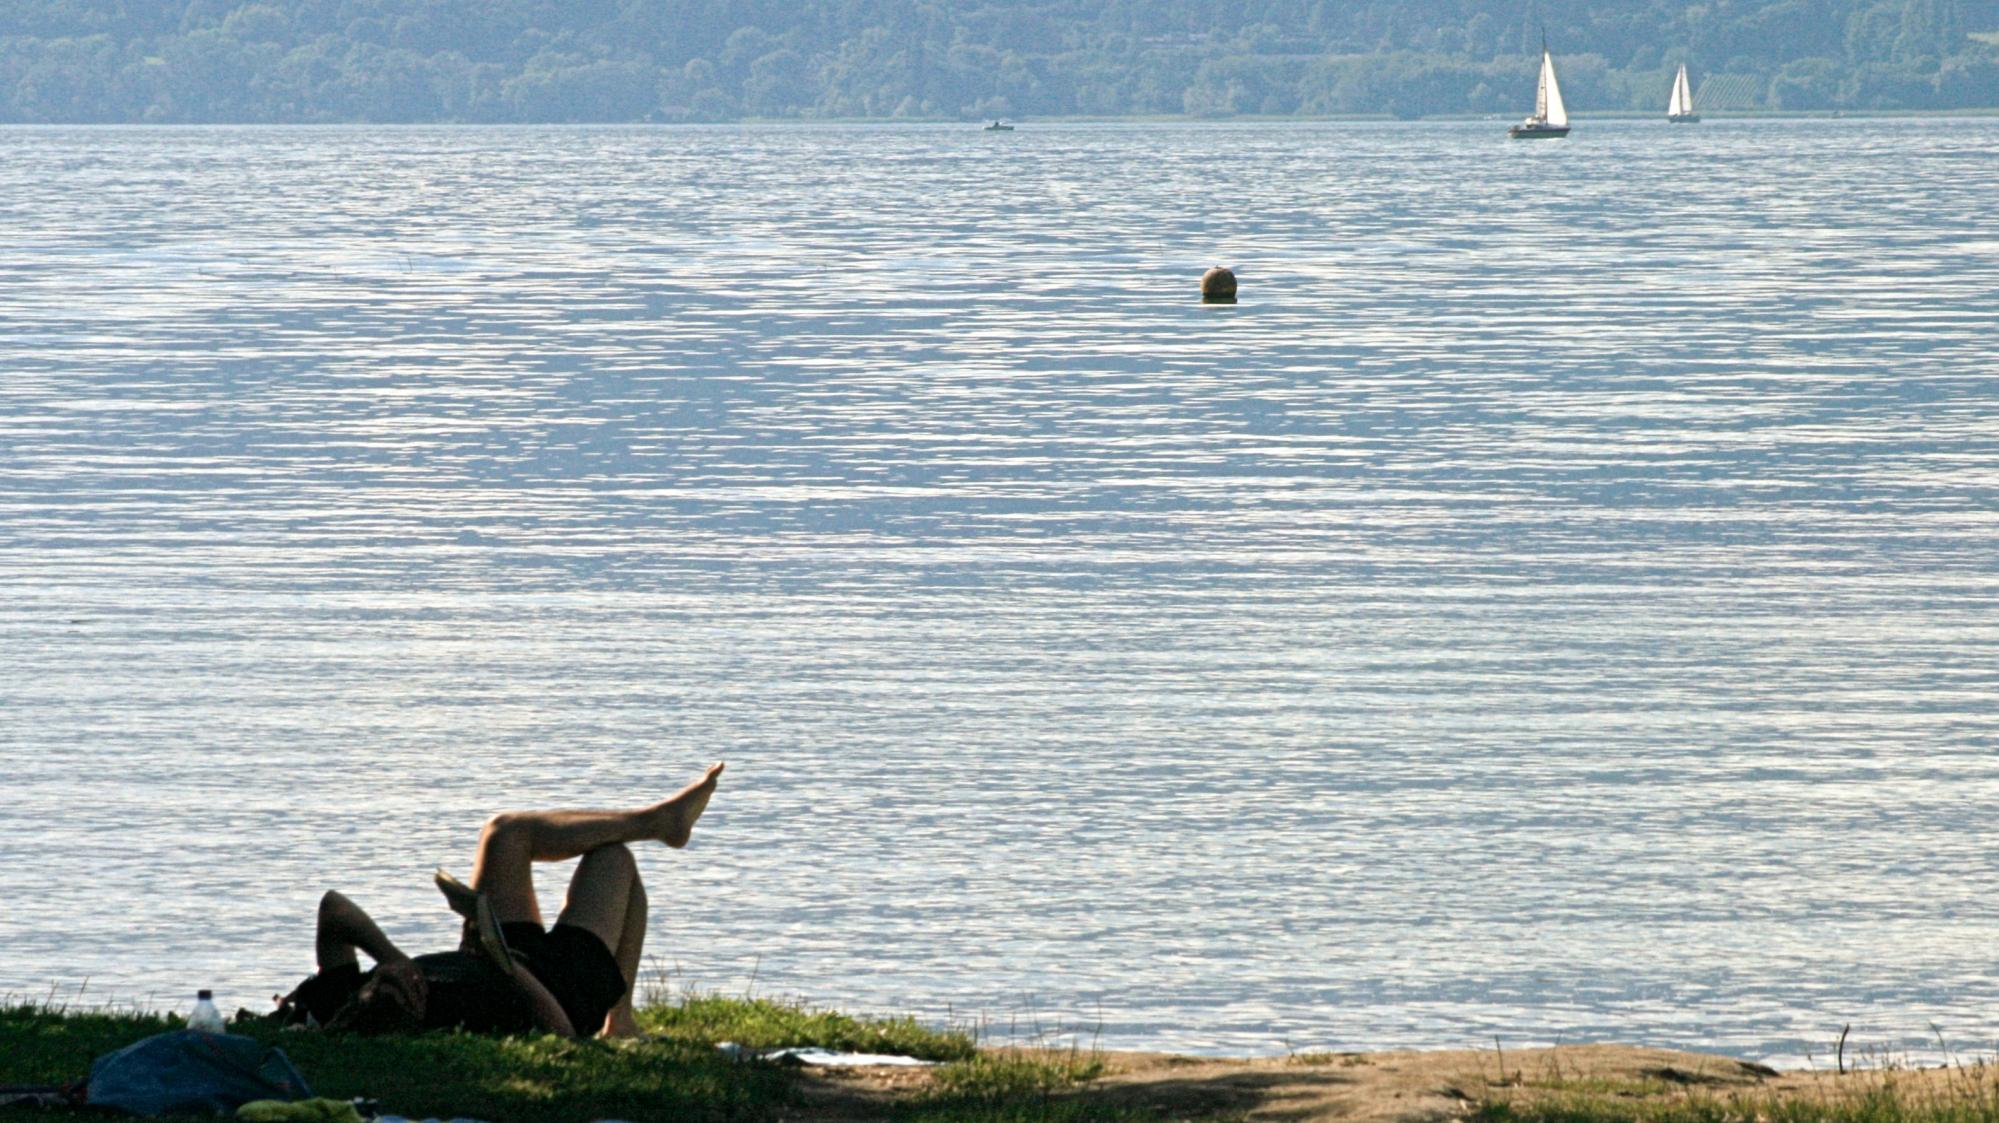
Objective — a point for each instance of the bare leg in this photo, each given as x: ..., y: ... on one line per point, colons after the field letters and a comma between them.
x: 343, y: 927
x: 623, y: 1021
x: 514, y: 840
x: 607, y: 899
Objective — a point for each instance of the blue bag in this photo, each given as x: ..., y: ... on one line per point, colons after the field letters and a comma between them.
x: 190, y: 1073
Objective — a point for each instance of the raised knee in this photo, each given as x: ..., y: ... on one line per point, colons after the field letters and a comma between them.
x: 618, y: 857
x: 506, y: 822
x: 331, y: 903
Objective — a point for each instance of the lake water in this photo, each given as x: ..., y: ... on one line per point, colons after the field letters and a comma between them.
x: 1557, y: 603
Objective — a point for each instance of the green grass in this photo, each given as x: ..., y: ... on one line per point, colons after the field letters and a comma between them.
x: 1015, y: 1074
x: 510, y: 1079
x: 1027, y: 1086
x: 676, y: 1075
x: 761, y: 1023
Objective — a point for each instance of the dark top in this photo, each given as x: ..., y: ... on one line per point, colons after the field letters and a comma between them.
x: 461, y: 990
x: 468, y: 992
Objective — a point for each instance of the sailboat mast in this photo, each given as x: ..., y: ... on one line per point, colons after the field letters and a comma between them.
x: 1541, y: 88
x: 1552, y: 108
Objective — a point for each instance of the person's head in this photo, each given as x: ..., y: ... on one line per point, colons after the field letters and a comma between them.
x: 392, y: 1001
x: 322, y: 995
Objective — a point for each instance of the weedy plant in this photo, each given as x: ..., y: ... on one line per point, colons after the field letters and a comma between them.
x: 1878, y: 1090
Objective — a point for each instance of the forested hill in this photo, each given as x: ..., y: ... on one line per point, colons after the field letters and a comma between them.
x: 707, y: 60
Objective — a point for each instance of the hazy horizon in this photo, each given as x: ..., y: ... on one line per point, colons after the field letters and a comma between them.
x: 613, y: 61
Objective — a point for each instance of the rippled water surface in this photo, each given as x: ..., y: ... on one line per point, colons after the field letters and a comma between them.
x: 1556, y: 603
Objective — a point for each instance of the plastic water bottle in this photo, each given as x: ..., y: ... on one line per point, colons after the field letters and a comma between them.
x: 206, y: 1017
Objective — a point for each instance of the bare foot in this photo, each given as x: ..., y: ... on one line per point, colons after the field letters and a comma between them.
x: 620, y: 1023
x: 677, y: 815
x: 460, y: 896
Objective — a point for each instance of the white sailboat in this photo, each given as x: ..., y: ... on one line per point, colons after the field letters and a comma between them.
x: 1680, y: 110
x: 1551, y: 117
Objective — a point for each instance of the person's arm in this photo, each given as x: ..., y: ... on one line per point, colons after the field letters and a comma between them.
x: 343, y: 927
x: 547, y: 1011
x: 491, y: 940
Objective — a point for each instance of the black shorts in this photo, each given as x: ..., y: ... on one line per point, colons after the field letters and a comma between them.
x: 574, y: 965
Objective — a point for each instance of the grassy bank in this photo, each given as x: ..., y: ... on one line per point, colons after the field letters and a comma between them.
x: 675, y: 1074
x: 679, y: 1075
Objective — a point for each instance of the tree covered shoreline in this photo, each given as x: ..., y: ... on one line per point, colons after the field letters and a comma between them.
x: 194, y: 61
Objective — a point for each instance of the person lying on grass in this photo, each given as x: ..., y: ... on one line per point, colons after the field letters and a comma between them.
x: 509, y: 974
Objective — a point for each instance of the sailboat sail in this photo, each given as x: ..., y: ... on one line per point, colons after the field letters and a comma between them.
x: 1548, y: 106
x: 1683, y: 97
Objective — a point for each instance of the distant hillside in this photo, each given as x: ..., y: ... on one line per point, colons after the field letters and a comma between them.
x: 708, y: 60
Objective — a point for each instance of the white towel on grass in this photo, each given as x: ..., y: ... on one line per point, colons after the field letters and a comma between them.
x: 825, y: 1058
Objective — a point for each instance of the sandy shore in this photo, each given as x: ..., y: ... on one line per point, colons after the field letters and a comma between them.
x: 1420, y: 1087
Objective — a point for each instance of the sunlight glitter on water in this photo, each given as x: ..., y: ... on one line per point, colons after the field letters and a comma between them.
x: 1556, y: 602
